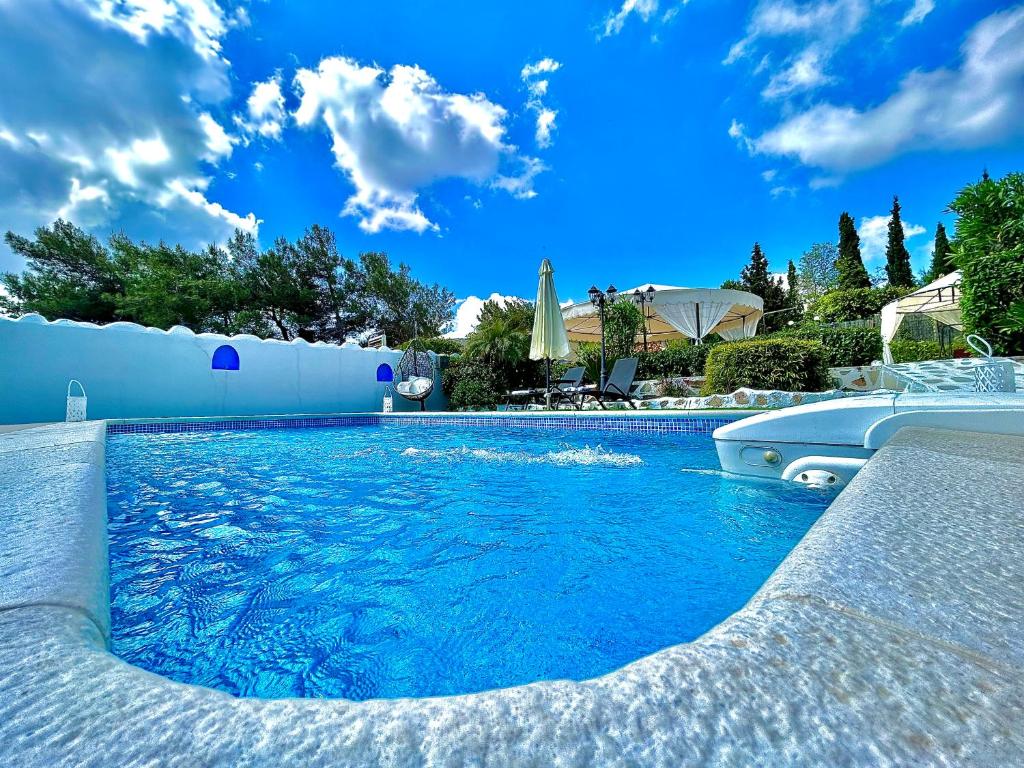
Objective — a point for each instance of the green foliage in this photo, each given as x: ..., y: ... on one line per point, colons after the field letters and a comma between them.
x: 437, y: 344
x: 897, y: 257
x: 818, y: 271
x: 756, y: 279
x: 913, y: 351
x: 1014, y: 320
x: 471, y: 383
x: 989, y: 249
x: 789, y: 364
x: 844, y: 346
x: 849, y: 265
x: 69, y: 275
x: 622, y: 324
x: 679, y: 358
x: 942, y: 256
x: 502, y: 341
x: 302, y: 289
x: 854, y: 304
x: 588, y: 354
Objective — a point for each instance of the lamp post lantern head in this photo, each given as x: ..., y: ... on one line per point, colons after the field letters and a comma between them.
x: 638, y: 298
x: 649, y: 293
x: 594, y: 294
x: 611, y: 293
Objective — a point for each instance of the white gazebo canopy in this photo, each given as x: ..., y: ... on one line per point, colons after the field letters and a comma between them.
x: 678, y: 313
x: 939, y: 299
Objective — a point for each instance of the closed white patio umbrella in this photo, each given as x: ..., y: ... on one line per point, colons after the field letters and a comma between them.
x: 549, y: 340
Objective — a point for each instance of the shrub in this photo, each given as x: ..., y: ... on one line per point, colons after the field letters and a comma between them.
x: 843, y: 346
x: 678, y: 358
x: 470, y: 383
x: 790, y: 364
x: 989, y: 249
x: 852, y: 304
x: 913, y: 351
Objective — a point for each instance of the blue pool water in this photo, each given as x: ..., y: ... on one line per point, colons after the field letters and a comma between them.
x: 387, y: 561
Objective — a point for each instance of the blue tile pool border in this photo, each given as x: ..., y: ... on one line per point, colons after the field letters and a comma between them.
x: 648, y: 424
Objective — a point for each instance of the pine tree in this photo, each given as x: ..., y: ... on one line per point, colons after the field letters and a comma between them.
x: 850, y: 265
x: 756, y: 279
x: 942, y: 256
x: 897, y: 257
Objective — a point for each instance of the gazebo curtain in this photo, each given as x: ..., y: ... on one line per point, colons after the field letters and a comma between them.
x: 696, y: 319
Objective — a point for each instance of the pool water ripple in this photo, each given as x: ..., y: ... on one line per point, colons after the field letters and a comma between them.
x: 381, y: 561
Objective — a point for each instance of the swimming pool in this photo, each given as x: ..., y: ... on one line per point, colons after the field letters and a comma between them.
x: 392, y: 560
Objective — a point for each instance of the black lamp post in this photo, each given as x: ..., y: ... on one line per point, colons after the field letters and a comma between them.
x: 643, y: 298
x: 601, y: 300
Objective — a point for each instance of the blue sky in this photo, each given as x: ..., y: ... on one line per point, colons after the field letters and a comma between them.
x: 644, y: 141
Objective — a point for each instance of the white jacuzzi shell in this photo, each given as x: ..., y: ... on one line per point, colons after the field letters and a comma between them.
x: 838, y: 436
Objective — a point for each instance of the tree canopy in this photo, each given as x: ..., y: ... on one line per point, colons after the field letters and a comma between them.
x: 942, y: 256
x: 897, y: 257
x: 756, y: 279
x: 818, y: 271
x: 302, y: 289
x: 850, y: 270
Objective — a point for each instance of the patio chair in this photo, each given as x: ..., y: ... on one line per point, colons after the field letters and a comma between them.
x: 620, y: 384
x: 561, y: 389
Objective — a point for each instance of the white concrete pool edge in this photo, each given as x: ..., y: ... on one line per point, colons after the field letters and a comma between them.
x: 890, y: 635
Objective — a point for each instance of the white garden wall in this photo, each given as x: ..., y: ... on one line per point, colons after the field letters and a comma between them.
x: 133, y: 372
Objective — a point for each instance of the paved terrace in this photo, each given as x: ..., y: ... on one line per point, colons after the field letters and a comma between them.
x: 891, y: 635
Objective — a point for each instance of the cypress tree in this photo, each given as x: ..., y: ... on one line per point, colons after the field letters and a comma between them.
x: 897, y: 257
x: 943, y: 257
x: 850, y: 265
x: 792, y: 285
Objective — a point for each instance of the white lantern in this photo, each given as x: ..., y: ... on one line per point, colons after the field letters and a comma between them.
x: 389, y: 401
x: 76, y: 403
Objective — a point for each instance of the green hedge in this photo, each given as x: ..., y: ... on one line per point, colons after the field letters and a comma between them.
x: 843, y: 346
x: 911, y: 351
x: 789, y: 364
x: 852, y: 304
x: 678, y: 358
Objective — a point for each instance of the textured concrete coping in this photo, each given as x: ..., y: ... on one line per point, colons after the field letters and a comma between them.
x: 890, y: 636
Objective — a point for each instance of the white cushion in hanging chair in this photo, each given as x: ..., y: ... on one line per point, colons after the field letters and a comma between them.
x: 415, y: 387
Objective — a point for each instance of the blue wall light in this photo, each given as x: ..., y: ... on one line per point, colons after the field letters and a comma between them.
x: 384, y: 373
x: 225, y: 358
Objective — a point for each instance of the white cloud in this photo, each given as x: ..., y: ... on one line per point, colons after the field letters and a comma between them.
x: 265, y: 107
x: 116, y: 134
x: 819, y: 29
x: 616, y: 20
x: 538, y: 89
x: 543, y: 67
x: 467, y: 313
x: 781, y: 190
x: 395, y: 132
x: 874, y: 235
x: 977, y: 105
x: 520, y: 185
x: 218, y: 143
x: 804, y: 73
x: 770, y: 174
x: 917, y: 12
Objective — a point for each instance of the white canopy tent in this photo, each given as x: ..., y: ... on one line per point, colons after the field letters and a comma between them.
x: 678, y: 313
x: 939, y: 299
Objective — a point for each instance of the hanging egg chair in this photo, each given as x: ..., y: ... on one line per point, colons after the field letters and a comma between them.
x: 414, y: 374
